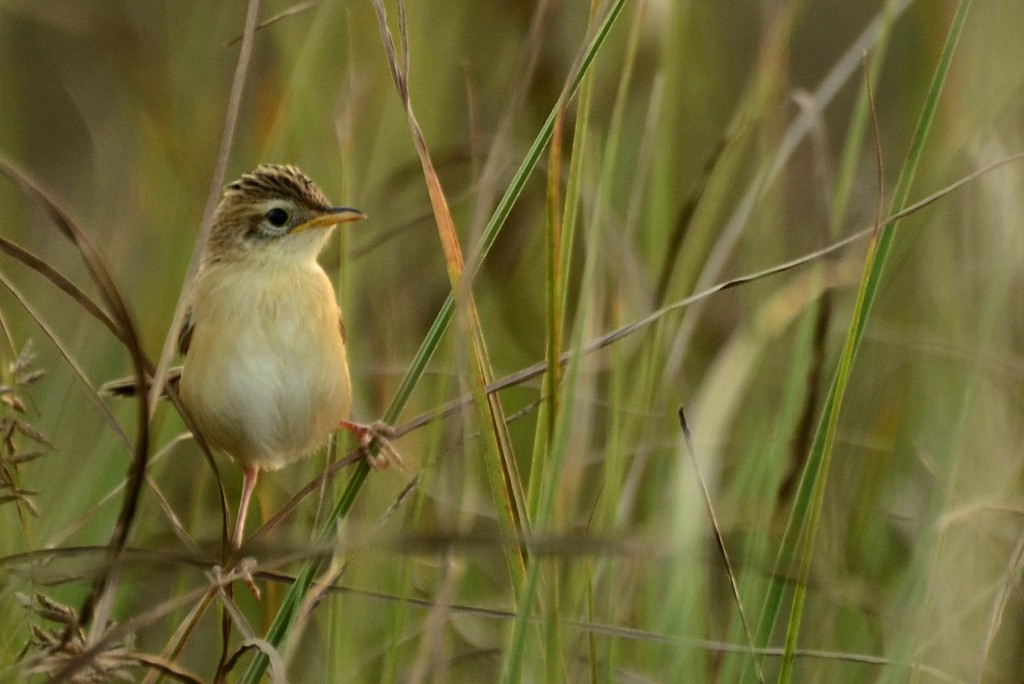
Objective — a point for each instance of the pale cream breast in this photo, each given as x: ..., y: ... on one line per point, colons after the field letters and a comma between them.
x: 266, y: 378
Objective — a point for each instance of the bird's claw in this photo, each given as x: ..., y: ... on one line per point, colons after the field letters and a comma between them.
x: 245, y: 568
x: 381, y: 433
x: 242, y: 571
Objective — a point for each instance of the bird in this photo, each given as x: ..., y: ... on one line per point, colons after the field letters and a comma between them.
x: 265, y: 377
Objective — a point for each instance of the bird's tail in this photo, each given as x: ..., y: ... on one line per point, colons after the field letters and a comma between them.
x: 128, y: 387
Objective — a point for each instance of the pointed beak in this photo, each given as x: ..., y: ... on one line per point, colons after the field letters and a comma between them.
x: 330, y: 217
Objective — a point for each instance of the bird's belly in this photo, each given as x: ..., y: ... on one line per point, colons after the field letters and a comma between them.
x: 267, y: 394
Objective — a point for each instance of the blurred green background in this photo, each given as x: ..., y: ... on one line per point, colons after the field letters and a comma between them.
x: 713, y: 148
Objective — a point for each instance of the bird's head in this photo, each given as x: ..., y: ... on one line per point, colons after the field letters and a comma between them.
x: 274, y: 211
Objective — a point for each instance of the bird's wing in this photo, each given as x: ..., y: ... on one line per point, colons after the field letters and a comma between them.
x: 341, y: 327
x: 185, y: 334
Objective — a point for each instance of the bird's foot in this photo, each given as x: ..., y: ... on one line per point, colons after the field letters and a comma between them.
x: 242, y: 571
x: 380, y: 433
x: 245, y: 568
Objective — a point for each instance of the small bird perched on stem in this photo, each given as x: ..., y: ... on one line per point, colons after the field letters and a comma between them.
x: 265, y: 378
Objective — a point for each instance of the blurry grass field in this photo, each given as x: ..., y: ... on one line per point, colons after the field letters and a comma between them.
x: 850, y: 505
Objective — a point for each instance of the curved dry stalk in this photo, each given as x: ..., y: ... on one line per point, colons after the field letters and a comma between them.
x: 100, y: 275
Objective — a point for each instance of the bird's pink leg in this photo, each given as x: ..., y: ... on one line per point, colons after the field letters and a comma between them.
x: 248, y: 484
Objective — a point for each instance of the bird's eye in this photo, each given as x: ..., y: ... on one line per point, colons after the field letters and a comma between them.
x: 277, y: 217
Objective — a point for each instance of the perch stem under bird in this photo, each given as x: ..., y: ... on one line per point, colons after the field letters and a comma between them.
x: 265, y: 377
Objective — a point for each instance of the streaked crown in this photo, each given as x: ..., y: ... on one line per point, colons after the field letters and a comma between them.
x: 276, y: 181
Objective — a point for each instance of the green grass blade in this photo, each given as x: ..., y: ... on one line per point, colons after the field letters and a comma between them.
x: 850, y: 158
x: 811, y: 492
